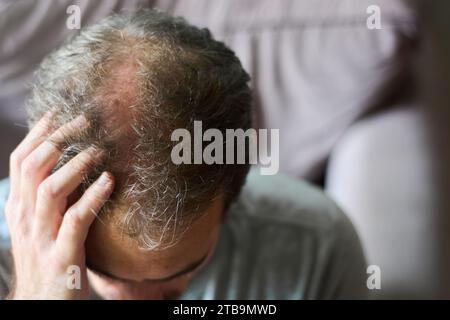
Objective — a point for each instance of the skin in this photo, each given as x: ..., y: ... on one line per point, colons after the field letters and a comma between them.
x: 50, y: 233
x: 130, y: 272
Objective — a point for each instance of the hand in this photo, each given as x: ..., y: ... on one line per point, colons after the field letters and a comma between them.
x: 47, y: 233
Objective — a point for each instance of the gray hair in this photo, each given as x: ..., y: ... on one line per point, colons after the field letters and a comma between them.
x: 137, y: 76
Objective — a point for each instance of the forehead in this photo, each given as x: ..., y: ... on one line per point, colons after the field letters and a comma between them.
x: 111, y: 251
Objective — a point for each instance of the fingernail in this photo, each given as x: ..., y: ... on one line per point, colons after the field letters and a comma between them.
x: 104, y: 179
x: 94, y: 150
x: 80, y: 121
x: 47, y: 115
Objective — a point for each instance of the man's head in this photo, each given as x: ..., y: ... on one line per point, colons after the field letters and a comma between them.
x: 137, y: 77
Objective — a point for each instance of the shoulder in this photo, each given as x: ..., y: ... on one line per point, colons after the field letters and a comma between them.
x: 301, y: 237
x: 281, y: 200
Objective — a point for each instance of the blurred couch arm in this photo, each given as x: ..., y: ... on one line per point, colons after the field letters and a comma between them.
x: 380, y: 173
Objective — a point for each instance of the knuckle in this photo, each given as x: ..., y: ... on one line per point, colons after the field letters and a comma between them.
x: 28, y: 166
x: 15, y: 159
x: 74, y: 220
x: 58, y: 263
x: 46, y: 190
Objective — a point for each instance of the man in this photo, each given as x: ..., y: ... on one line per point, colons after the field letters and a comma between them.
x: 93, y: 190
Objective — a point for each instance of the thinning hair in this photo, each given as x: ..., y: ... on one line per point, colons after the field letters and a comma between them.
x: 136, y: 77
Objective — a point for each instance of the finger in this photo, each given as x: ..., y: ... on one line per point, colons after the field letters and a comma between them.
x: 78, y: 218
x: 36, y: 135
x: 38, y: 165
x: 68, y: 129
x: 54, y: 191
